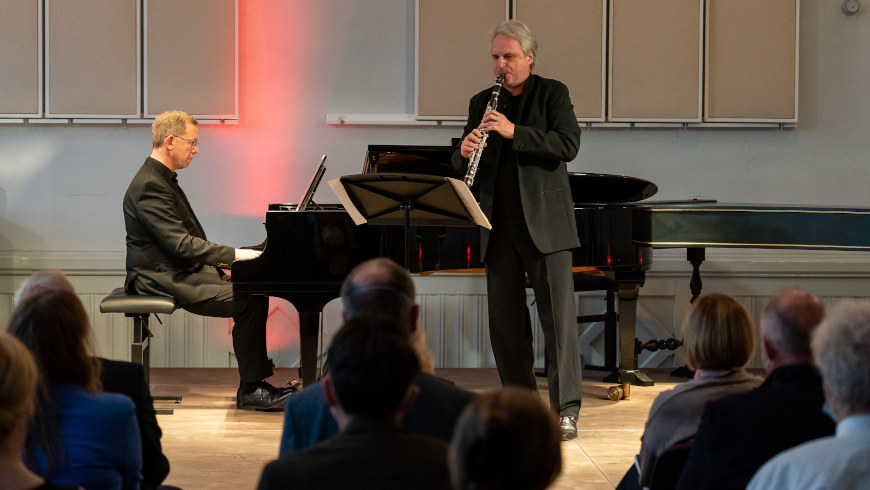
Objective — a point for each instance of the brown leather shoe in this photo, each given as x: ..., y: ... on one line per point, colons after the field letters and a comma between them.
x: 568, y: 427
x: 263, y: 397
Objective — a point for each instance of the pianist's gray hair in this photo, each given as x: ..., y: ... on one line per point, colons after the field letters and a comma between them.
x: 517, y: 30
x: 841, y: 349
x: 170, y: 122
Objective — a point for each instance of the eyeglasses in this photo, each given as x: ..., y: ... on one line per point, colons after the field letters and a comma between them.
x: 192, y: 143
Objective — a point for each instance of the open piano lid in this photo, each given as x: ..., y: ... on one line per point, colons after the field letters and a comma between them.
x: 609, y: 189
x: 417, y: 159
x: 587, y: 188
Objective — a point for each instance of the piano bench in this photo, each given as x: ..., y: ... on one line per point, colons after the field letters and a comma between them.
x: 597, y: 281
x: 139, y: 307
x: 584, y: 281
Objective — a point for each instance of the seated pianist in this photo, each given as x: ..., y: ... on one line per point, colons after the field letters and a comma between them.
x: 168, y: 255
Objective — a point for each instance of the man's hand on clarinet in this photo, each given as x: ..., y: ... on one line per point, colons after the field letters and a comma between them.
x: 496, y: 121
x: 469, y: 144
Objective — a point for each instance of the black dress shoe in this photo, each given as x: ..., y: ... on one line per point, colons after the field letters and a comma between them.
x: 568, y: 428
x: 262, y: 397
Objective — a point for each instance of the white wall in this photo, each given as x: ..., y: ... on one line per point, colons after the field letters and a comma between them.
x: 61, y: 185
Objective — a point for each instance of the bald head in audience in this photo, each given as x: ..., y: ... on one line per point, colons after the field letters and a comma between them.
x: 383, y: 287
x: 787, y: 323
x: 44, y: 280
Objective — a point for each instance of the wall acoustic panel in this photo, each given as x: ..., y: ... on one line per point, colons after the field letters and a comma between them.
x: 453, y: 57
x: 93, y: 58
x: 20, y: 58
x: 191, y: 57
x: 571, y: 48
x: 655, y: 60
x: 752, y: 61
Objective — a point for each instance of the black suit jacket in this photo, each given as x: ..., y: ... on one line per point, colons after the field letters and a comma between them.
x: 167, y: 251
x: 365, y: 455
x: 739, y: 433
x: 546, y: 136
x: 128, y: 378
x: 308, y: 421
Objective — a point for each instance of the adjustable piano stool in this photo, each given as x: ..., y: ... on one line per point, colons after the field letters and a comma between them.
x: 591, y: 279
x: 139, y: 307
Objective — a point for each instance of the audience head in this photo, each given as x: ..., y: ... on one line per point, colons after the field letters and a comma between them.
x: 18, y: 379
x: 172, y: 122
x: 717, y: 334
x: 44, y: 280
x: 505, y: 439
x: 841, y: 349
x: 56, y: 329
x: 379, y: 286
x: 787, y: 322
x: 372, y: 366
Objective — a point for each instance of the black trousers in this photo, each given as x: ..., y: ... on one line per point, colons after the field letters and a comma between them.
x: 511, y: 255
x: 249, y: 313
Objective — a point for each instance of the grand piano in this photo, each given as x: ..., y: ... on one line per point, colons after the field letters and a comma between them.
x: 308, y: 253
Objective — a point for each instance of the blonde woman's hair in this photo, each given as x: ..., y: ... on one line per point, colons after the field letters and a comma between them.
x: 18, y: 379
x: 170, y: 122
x: 717, y: 334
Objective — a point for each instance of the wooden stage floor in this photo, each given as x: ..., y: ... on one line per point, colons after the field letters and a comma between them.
x: 211, y: 444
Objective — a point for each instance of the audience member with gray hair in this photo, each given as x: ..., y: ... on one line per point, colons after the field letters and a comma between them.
x: 740, y: 432
x: 43, y: 280
x: 841, y: 349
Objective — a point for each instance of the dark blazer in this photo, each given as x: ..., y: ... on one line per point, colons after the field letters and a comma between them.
x: 307, y: 420
x: 365, y: 455
x: 128, y: 378
x: 739, y: 433
x: 167, y: 251
x: 546, y: 136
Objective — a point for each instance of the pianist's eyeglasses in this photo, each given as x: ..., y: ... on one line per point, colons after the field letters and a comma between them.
x: 193, y: 143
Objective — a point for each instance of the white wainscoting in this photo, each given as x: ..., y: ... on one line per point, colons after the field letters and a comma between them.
x: 453, y: 306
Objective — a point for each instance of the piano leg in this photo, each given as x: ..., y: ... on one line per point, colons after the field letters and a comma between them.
x: 309, y: 329
x: 695, y: 256
x: 628, y: 370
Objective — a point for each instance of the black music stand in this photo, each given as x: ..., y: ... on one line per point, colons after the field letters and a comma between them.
x: 408, y: 199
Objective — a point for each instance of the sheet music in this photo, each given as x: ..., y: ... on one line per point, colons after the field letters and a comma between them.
x: 470, y: 202
x: 312, y: 185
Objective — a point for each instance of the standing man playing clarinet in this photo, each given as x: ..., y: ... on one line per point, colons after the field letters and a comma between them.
x: 524, y: 192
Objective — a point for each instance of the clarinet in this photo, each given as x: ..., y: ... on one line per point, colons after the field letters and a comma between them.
x: 474, y: 160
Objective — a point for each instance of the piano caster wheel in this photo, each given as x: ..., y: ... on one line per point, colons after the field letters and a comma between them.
x: 619, y: 392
